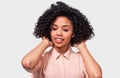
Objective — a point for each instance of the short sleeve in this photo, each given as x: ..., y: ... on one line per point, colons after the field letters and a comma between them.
x: 85, y: 73
x: 37, y: 72
x: 82, y: 67
x: 37, y: 67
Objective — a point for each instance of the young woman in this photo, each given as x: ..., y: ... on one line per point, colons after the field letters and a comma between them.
x: 62, y: 27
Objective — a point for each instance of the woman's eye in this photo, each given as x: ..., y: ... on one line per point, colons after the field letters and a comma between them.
x: 53, y: 28
x: 65, y: 30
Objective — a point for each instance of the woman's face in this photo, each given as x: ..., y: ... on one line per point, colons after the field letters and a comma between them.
x: 61, y: 31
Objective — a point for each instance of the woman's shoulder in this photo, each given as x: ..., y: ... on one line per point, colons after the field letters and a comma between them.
x: 75, y: 52
x: 47, y: 52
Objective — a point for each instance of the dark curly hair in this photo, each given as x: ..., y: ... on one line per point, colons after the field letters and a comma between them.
x: 82, y: 29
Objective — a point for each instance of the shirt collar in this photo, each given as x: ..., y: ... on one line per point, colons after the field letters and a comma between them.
x: 56, y: 55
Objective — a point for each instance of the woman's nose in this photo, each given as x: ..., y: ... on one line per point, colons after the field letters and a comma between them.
x: 59, y: 33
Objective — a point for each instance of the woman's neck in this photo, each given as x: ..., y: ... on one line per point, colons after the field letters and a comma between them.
x: 62, y: 50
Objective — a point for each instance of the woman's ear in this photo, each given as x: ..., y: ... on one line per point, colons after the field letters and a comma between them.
x: 72, y: 35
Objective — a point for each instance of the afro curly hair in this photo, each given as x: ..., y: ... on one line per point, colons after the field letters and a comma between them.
x: 82, y: 29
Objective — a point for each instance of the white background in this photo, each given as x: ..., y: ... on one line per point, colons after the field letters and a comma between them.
x: 17, y: 19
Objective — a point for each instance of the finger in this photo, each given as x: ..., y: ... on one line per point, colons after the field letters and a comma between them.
x: 44, y: 38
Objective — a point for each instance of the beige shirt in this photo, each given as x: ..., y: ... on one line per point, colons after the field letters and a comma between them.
x: 54, y: 65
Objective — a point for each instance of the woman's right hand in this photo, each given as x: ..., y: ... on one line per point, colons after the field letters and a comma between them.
x: 46, y: 42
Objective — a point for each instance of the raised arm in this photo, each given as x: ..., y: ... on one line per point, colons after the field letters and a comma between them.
x: 92, y: 67
x: 30, y: 60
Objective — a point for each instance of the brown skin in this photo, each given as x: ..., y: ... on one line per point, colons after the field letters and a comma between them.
x: 30, y: 60
x: 92, y: 67
x: 61, y: 34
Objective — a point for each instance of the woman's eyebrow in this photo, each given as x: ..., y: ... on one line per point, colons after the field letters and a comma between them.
x: 62, y: 25
x: 54, y: 24
x: 65, y: 26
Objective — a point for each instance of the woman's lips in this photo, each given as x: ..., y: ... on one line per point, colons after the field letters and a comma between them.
x: 58, y: 40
